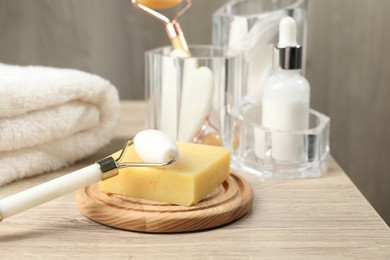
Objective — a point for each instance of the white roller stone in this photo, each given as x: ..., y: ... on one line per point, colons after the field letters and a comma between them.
x: 154, y: 146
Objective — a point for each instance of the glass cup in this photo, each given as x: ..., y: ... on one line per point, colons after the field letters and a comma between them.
x: 251, y: 26
x: 269, y: 153
x: 188, y: 97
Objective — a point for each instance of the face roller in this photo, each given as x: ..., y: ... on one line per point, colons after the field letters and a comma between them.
x: 153, y: 147
x: 173, y: 29
x: 197, y: 89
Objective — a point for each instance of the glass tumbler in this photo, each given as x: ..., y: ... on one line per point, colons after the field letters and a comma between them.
x: 188, y: 97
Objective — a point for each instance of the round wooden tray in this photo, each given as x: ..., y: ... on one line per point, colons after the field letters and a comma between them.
x: 229, y: 202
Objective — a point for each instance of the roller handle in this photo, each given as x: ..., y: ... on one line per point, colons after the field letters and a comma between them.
x: 49, y: 190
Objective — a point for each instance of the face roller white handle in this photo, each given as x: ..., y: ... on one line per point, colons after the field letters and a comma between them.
x: 49, y: 190
x: 152, y: 146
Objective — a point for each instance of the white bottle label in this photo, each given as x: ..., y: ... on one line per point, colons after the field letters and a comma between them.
x: 285, y: 115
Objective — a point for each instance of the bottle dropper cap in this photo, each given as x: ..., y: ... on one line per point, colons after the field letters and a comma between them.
x: 290, y: 53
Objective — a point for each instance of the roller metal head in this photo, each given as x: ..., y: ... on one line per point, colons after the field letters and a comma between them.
x: 152, y: 146
x: 174, y: 31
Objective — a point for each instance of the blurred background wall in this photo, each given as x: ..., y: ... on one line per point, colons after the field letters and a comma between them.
x: 348, y: 63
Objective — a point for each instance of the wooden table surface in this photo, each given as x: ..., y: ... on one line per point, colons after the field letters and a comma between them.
x: 325, y: 217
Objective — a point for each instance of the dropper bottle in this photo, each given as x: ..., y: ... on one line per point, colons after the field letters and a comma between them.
x: 286, y: 97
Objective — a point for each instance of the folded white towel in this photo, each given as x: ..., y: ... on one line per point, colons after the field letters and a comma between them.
x: 50, y: 118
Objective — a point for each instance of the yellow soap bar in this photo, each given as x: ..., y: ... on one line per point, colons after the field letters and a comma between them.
x: 198, y: 171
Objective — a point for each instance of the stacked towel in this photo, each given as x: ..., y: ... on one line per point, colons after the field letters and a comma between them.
x: 50, y: 118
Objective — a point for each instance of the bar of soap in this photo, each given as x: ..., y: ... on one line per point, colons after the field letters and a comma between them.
x: 199, y: 170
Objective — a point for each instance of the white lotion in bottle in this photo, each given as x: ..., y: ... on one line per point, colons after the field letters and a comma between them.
x: 286, y: 99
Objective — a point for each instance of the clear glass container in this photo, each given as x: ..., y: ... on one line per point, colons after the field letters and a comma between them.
x: 187, y: 97
x: 251, y: 26
x: 256, y: 150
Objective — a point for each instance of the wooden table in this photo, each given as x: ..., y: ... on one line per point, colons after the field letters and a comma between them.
x: 291, y: 219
